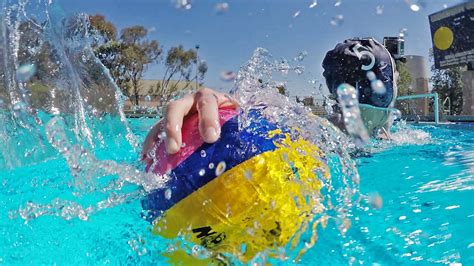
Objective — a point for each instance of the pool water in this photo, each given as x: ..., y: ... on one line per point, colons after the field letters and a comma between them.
x: 427, y: 212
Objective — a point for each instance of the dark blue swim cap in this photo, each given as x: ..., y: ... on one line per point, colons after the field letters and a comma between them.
x: 349, y: 63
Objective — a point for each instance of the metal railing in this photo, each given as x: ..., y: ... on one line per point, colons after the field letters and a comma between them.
x: 424, y: 95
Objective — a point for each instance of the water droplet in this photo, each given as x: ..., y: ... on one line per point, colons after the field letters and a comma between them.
x: 347, y: 96
x: 221, y: 8
x: 415, y: 7
x: 403, y: 32
x: 100, y: 100
x: 338, y: 3
x: 300, y: 56
x: 147, y: 98
x: 203, y: 153
x: 25, y: 72
x: 371, y: 75
x: 183, y: 4
x: 202, y: 172
x: 396, y: 114
x: 299, y: 70
x: 211, y: 166
x: 228, y: 75
x: 254, y: 148
x: 378, y: 86
x: 337, y: 20
x: 379, y: 10
x: 248, y: 174
x: 375, y: 201
x: 168, y: 194
x: 221, y: 166
x: 313, y: 4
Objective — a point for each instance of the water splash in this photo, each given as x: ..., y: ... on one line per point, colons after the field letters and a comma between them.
x: 347, y: 96
x: 255, y: 88
x: 59, y: 102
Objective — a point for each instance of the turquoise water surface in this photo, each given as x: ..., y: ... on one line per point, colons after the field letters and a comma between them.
x: 427, y: 211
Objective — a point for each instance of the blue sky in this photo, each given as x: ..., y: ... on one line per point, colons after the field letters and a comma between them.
x: 228, y: 40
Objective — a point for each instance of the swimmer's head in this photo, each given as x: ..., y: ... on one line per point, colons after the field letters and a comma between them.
x: 365, y: 64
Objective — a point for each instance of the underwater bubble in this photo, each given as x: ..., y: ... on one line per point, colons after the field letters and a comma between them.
x: 378, y: 86
x: 147, y: 98
x: 221, y: 8
x: 297, y: 13
x: 25, y: 72
x: 203, y: 153
x: 313, y: 4
x: 228, y: 75
x: 338, y: 3
x: 337, y: 20
x: 211, y: 166
x: 202, y: 172
x: 221, y: 166
x: 379, y: 10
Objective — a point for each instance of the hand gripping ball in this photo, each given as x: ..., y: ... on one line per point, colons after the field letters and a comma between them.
x: 251, y: 190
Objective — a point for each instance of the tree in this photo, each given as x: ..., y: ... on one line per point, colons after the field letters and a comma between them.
x: 404, y: 79
x: 128, y: 57
x: 178, y: 75
x: 137, y: 54
x: 448, y: 83
x: 404, y: 86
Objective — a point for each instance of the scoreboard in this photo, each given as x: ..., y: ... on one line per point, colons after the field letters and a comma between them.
x: 452, y: 35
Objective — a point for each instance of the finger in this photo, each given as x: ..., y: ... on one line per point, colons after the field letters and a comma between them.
x: 207, y: 107
x: 225, y: 100
x: 150, y: 140
x: 175, y: 112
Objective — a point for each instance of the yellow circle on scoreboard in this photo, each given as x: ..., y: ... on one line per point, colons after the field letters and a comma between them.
x: 443, y: 38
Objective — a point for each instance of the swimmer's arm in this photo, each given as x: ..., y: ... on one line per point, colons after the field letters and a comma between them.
x: 205, y: 102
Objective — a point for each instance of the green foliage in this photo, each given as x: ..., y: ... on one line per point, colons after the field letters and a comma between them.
x: 128, y: 57
x: 179, y: 64
x: 404, y: 79
x: 448, y: 83
x: 104, y: 28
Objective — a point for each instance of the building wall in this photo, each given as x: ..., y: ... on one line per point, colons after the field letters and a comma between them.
x: 468, y: 93
x: 418, y: 69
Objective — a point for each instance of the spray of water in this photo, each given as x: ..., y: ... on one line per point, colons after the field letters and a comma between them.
x: 255, y: 88
x: 67, y: 120
x: 58, y: 101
